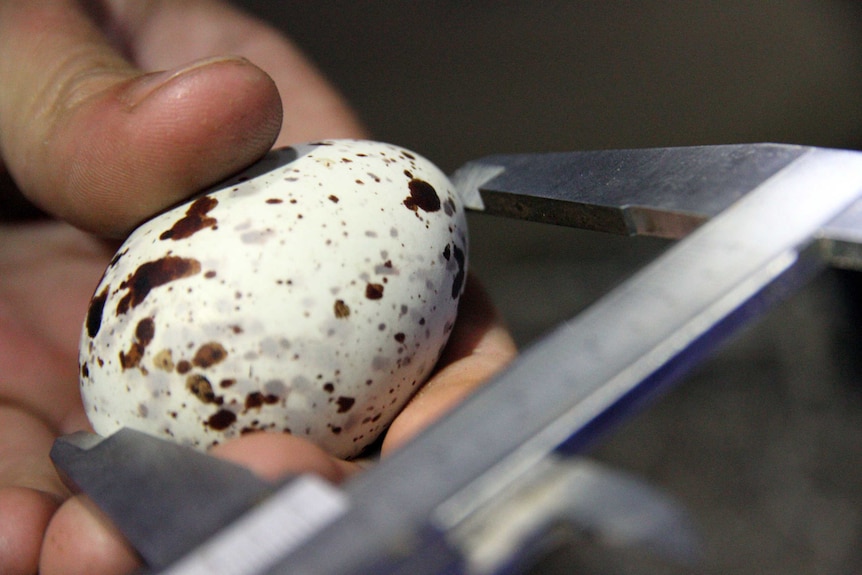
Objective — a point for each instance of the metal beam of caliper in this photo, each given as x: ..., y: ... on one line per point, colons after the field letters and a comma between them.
x: 611, y: 357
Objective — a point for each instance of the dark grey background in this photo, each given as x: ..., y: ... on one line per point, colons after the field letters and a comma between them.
x: 763, y: 443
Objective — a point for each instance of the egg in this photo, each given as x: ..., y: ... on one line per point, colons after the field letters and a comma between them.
x: 311, y: 294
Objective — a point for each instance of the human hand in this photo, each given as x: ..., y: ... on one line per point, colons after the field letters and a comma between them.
x: 99, y: 145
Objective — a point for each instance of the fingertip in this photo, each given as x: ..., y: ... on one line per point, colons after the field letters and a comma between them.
x: 147, y: 143
x: 25, y: 516
x: 274, y: 456
x: 81, y: 541
x: 480, y: 346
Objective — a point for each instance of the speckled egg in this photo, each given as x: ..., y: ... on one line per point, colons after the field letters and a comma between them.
x: 311, y: 294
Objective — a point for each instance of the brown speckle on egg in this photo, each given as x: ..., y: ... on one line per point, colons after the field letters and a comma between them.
x: 200, y: 387
x: 422, y: 196
x: 342, y: 310
x: 94, y: 312
x: 195, y: 220
x: 221, y: 420
x: 374, y: 291
x: 164, y: 360
x: 256, y: 400
x: 144, y: 333
x: 449, y: 207
x: 345, y: 403
x: 153, y: 274
x: 209, y: 354
x: 461, y: 274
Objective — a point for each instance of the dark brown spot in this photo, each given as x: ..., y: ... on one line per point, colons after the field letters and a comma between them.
x: 184, y: 366
x: 153, y: 274
x: 400, y: 337
x: 374, y: 291
x: 253, y: 400
x: 342, y: 310
x: 94, y: 314
x: 447, y: 252
x: 458, y: 281
x: 210, y: 275
x: 335, y: 429
x: 195, y: 220
x: 226, y: 383
x: 117, y: 257
x: 274, y: 201
x: 145, y: 331
x: 328, y: 387
x: 200, y: 387
x: 85, y: 371
x: 222, y: 419
x: 344, y: 404
x: 449, y: 207
x: 209, y: 354
x: 422, y: 196
x: 256, y: 399
x: 333, y: 198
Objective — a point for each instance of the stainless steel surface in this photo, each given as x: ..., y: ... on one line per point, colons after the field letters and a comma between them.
x: 687, y: 186
x: 664, y: 192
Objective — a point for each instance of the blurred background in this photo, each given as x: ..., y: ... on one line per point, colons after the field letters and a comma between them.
x: 763, y: 442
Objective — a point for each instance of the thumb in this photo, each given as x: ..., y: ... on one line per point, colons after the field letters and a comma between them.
x: 91, y: 139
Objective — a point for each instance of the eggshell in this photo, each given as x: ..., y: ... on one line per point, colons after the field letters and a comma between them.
x: 311, y: 294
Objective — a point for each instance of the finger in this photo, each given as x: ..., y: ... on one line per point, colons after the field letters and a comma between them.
x: 274, y: 456
x: 80, y: 540
x: 25, y: 443
x: 81, y: 127
x: 26, y: 513
x: 479, y: 347
x: 47, y: 273
x: 157, y: 32
x: 30, y: 490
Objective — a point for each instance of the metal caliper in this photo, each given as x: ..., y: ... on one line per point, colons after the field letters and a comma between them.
x: 480, y: 495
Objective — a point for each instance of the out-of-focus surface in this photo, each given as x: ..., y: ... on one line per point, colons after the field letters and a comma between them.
x: 763, y: 442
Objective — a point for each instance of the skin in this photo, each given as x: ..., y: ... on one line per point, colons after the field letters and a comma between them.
x: 97, y: 134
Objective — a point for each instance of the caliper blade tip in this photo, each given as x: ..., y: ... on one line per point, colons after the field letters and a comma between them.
x: 75, y: 442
